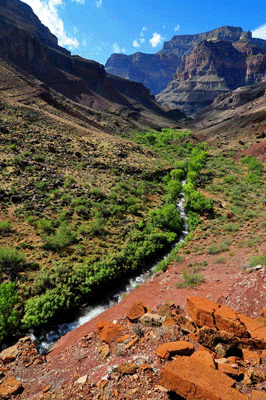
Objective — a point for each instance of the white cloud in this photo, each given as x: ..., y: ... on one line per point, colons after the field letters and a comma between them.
x: 260, y: 32
x: 143, y: 30
x: 47, y: 11
x: 156, y: 39
x: 176, y: 28
x: 79, y: 1
x: 116, y: 48
x: 124, y: 50
x: 99, y: 3
x: 142, y: 40
x: 135, y: 43
x: 84, y: 42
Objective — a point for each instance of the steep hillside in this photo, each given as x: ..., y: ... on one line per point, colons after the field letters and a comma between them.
x: 30, y: 45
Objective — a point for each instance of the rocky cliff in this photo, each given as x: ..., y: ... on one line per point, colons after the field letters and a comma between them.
x: 25, y: 41
x: 156, y: 70
x: 207, y: 65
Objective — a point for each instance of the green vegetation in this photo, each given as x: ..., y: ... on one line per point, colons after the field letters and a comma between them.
x: 190, y: 280
x: 9, y: 319
x: 5, y: 227
x: 257, y: 260
x: 10, y: 262
x: 108, y: 216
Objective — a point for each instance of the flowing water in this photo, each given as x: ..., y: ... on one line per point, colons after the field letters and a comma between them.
x: 48, y: 337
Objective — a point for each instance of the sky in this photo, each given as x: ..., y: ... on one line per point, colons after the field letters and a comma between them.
x: 95, y: 29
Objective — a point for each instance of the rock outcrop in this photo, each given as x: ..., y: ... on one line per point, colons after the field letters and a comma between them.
x: 212, y: 69
x: 206, y: 65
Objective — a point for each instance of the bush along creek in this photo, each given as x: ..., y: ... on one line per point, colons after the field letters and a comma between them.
x: 58, y: 291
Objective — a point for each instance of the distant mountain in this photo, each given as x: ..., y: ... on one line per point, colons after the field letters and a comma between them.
x: 197, y: 67
x: 27, y: 43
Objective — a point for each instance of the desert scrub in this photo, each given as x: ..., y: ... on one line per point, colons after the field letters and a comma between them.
x: 5, y: 227
x: 61, y: 239
x: 257, y: 260
x: 11, y: 262
x: 219, y: 247
x: 190, y: 280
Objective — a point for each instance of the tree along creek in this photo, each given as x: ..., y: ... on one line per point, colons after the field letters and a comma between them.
x: 48, y: 337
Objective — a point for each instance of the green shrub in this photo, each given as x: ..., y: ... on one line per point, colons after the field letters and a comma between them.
x: 5, y: 227
x: 218, y: 248
x: 41, y: 185
x: 177, y: 174
x: 8, y: 314
x: 194, y: 200
x: 173, y: 189
x: 167, y: 217
x: 190, y: 280
x: 254, y: 165
x: 257, y: 260
x: 96, y: 227
x: 47, y: 225
x: 40, y: 309
x: 230, y: 227
x: 63, y: 237
x: 10, y: 261
x: 193, y: 220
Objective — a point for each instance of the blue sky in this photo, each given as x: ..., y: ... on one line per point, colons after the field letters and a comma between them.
x: 95, y: 29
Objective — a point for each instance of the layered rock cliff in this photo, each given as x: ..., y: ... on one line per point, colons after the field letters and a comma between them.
x: 207, y: 65
x: 156, y: 70
x: 213, y: 68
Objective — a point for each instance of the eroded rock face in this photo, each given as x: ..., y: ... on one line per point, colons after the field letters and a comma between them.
x: 156, y: 70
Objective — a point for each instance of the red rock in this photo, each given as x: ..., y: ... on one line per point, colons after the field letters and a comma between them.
x: 227, y: 369
x: 170, y: 349
x: 256, y: 331
x: 10, y: 387
x: 251, y: 356
x: 257, y: 395
x: 131, y: 343
x: 136, y: 311
x: 9, y: 354
x: 103, y: 351
x: 127, y: 369
x: 204, y: 357
x: 109, y: 331
x: 196, y: 381
x: 165, y: 310
x: 227, y: 320
x: 146, y: 367
x: 201, y: 311
x: 125, y: 338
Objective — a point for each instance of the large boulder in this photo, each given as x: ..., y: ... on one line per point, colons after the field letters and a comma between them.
x: 193, y: 380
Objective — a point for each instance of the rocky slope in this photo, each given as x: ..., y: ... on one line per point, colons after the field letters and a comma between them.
x: 30, y: 45
x: 208, y: 352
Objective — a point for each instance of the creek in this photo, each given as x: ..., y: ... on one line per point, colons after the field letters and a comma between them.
x: 48, y: 337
